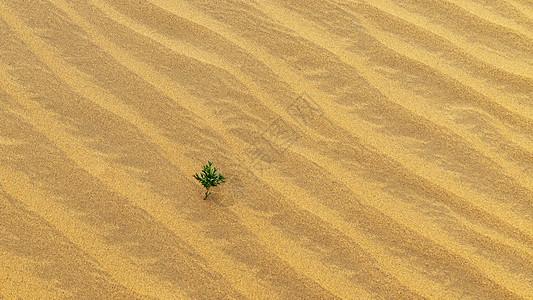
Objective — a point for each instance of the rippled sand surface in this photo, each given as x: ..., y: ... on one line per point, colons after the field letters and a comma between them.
x: 374, y: 149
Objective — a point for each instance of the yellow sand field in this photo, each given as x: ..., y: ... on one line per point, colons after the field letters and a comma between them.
x: 378, y: 149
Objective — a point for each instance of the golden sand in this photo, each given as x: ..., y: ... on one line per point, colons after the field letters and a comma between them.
x: 378, y: 149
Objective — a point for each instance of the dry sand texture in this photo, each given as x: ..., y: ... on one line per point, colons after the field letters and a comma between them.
x: 374, y: 149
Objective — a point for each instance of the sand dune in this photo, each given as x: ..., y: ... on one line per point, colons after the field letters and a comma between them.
x: 373, y: 149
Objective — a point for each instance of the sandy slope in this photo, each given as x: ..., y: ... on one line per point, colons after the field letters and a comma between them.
x: 374, y: 149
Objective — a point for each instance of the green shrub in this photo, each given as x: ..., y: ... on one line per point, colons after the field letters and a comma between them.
x: 209, y: 178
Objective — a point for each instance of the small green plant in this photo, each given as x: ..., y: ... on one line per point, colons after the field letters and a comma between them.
x: 209, y: 178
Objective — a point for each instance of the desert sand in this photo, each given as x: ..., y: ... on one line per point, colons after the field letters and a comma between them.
x: 378, y: 149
